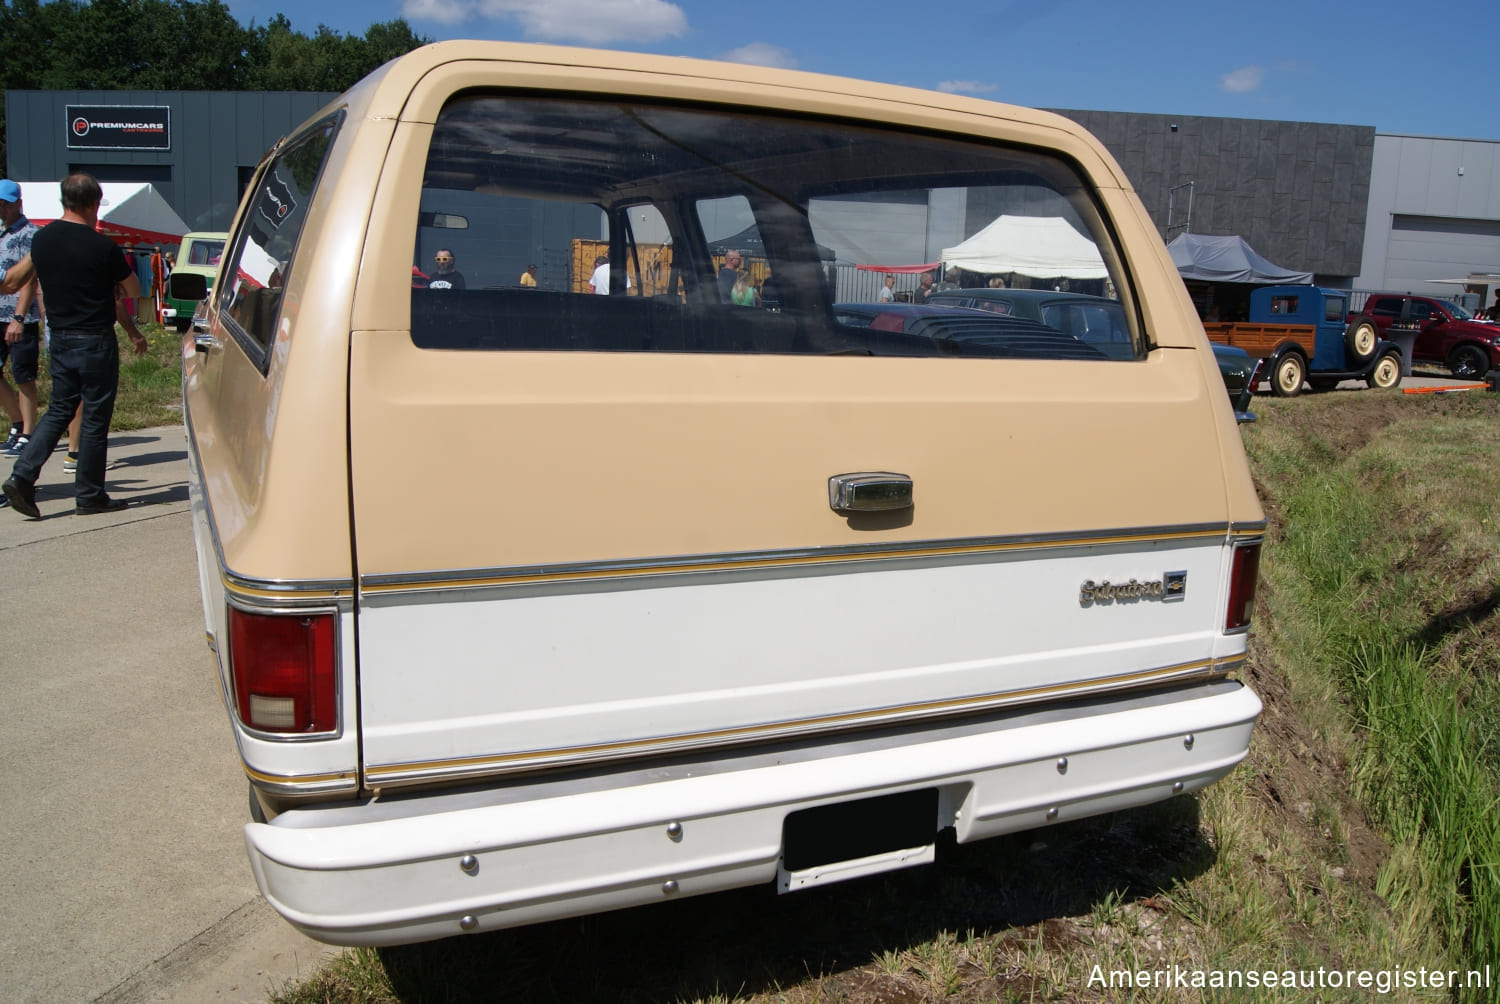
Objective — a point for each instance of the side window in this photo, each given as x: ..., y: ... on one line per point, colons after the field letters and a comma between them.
x: 1283, y: 304
x: 1420, y: 311
x: 663, y: 228
x: 267, y: 239
x: 1388, y: 306
x: 1334, y: 308
x: 205, y: 252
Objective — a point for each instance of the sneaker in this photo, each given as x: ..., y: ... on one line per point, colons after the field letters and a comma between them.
x: 70, y: 464
x: 15, y: 448
x: 10, y: 440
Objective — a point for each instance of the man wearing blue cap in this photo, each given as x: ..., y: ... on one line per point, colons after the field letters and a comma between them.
x: 84, y: 277
x: 20, y: 324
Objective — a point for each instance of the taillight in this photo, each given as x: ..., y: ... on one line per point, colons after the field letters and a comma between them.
x: 283, y: 671
x: 1243, y: 572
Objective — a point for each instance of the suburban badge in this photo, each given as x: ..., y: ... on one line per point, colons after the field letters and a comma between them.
x: 1171, y: 587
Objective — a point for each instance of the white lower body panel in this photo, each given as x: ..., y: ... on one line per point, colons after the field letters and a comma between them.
x: 399, y: 872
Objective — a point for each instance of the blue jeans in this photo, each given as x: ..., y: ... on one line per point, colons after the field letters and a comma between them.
x: 85, y: 367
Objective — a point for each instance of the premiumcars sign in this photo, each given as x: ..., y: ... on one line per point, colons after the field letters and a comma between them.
x: 119, y: 127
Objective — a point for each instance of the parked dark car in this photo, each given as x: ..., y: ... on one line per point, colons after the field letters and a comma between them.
x: 1447, y: 334
x: 1094, y: 320
x: 925, y: 329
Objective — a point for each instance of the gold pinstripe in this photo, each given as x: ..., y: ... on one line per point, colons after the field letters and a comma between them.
x: 438, y: 582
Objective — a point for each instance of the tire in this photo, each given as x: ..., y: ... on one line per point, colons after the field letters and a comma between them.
x: 1468, y: 362
x: 1287, y: 375
x: 1360, y: 338
x: 1387, y: 372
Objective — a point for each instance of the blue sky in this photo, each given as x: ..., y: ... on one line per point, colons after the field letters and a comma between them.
x: 1425, y: 69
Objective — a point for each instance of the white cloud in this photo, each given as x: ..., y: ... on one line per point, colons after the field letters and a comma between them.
x: 441, y: 11
x: 588, y: 22
x: 966, y: 87
x: 1243, y: 80
x: 762, y: 54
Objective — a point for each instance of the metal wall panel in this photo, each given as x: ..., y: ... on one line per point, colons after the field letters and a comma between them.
x: 213, y: 135
x: 1297, y: 191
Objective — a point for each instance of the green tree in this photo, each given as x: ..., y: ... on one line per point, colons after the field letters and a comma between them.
x: 179, y: 45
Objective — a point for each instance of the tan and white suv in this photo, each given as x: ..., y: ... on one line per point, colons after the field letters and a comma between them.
x: 530, y: 602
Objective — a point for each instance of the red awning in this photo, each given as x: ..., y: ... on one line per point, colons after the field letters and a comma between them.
x: 901, y: 269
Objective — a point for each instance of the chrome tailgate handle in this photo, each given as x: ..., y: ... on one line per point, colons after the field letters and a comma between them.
x: 873, y: 491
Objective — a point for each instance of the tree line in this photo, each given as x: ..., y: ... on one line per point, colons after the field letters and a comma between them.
x: 186, y: 45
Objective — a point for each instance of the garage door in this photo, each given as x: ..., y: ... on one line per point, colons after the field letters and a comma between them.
x: 1428, y: 247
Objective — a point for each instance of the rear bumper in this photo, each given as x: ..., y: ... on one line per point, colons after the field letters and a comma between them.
x: 419, y: 868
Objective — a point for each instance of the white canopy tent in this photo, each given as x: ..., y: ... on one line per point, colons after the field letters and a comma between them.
x: 133, y: 212
x: 1041, y: 247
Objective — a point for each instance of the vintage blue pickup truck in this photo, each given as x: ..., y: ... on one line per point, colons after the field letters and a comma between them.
x: 1302, y: 334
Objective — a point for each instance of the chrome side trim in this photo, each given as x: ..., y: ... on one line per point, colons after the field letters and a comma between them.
x: 253, y: 591
x: 469, y: 768
x: 344, y: 782
x: 951, y: 549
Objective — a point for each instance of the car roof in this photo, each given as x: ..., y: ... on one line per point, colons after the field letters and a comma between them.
x: 989, y: 293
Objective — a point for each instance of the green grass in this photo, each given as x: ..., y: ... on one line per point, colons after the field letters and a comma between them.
x: 1361, y: 832
x: 150, y: 391
x: 1388, y: 581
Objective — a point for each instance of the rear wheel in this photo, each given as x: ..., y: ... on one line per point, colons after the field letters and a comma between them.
x: 1387, y: 372
x: 1468, y: 362
x: 1287, y: 376
x: 1360, y: 338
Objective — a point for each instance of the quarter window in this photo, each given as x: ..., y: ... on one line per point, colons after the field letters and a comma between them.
x: 267, y: 239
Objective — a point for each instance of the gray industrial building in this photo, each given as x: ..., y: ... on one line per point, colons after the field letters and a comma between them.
x: 1297, y: 191
x: 1357, y: 209
x: 197, y: 148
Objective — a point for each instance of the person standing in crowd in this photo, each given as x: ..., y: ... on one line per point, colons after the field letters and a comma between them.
x: 742, y: 293
x: 923, y: 290
x: 528, y: 277
x: 888, y: 290
x: 84, y: 277
x: 729, y: 274
x: 447, y: 275
x: 599, y: 281
x: 20, y: 315
x: 1494, y: 312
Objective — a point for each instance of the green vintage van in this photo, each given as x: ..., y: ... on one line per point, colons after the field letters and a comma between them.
x: 199, y: 254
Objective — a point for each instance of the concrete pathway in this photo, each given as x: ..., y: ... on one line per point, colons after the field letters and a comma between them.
x: 122, y: 866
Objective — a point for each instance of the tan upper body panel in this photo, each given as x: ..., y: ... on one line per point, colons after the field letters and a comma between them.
x: 1081, y: 448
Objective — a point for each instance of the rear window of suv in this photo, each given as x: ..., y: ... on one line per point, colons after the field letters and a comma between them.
x: 692, y: 229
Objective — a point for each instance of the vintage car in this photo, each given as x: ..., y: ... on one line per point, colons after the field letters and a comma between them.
x: 198, y: 254
x: 1100, y: 322
x: 528, y: 602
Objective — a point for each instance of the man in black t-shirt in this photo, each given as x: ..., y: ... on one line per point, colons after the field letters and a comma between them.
x: 84, y: 279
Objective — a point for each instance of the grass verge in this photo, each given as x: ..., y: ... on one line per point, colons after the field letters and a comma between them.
x: 150, y: 391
